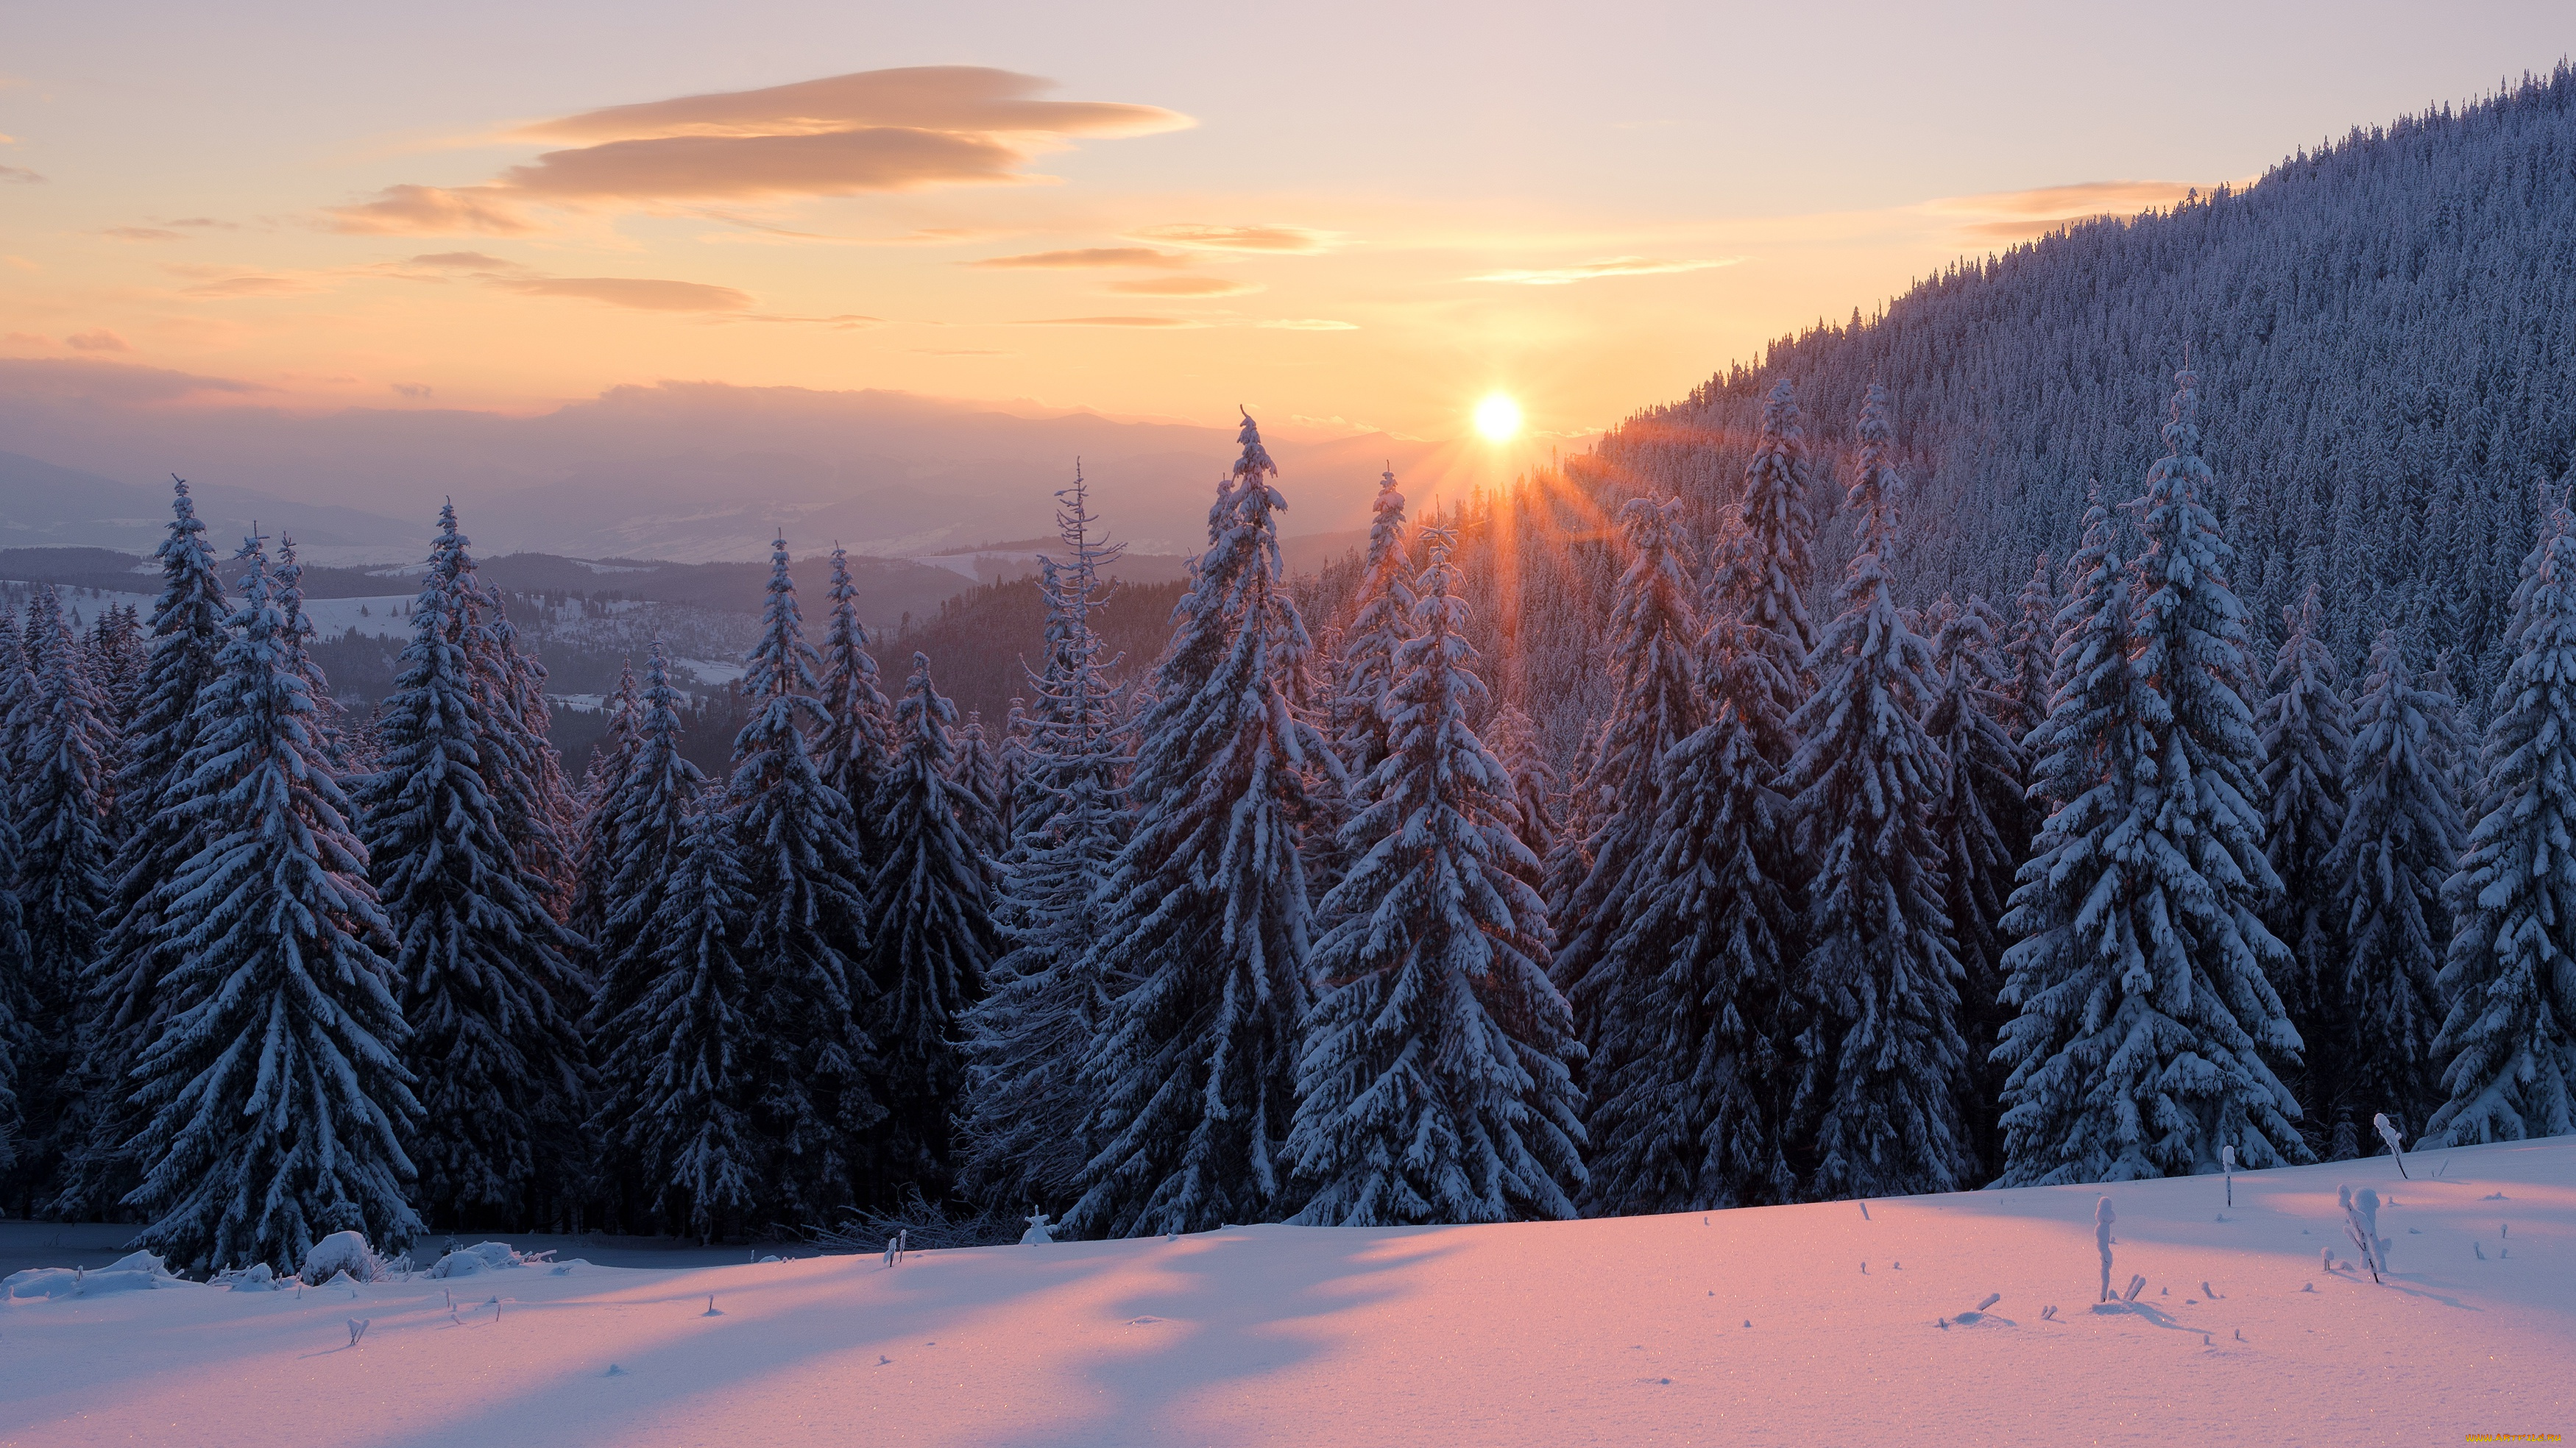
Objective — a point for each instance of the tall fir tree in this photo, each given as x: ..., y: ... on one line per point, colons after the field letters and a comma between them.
x: 489, y: 980
x: 123, y: 983
x: 855, y: 749
x: 1693, y: 1118
x: 1514, y: 740
x: 2306, y: 738
x: 1768, y: 561
x: 934, y: 941
x: 2030, y: 653
x: 1023, y: 1134
x: 1978, y: 822
x: 275, y: 1090
x: 599, y: 847
x: 64, y: 885
x: 1381, y: 620
x: 2144, y: 1012
x: 983, y: 807
x: 649, y: 809
x: 677, y: 1100
x: 805, y: 935
x: 2509, y: 982
x: 2400, y: 840
x: 1880, y: 1053
x: 1438, y: 1081
x: 1205, y: 914
x: 17, y: 1001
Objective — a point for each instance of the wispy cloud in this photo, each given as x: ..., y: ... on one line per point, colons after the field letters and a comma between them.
x: 416, y: 391
x: 101, y: 340
x: 253, y: 284
x: 1184, y: 287
x: 1610, y: 266
x: 1237, y: 238
x: 2018, y: 215
x: 643, y: 294
x: 19, y: 174
x: 141, y: 233
x: 1309, y: 324
x: 872, y: 131
x: 1173, y: 323
x: 1081, y: 257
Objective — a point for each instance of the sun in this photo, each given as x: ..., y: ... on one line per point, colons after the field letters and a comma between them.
x: 1498, y: 418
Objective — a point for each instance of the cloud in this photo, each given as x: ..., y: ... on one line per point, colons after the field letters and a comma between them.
x: 1309, y: 324
x: 868, y: 132
x: 1088, y: 256
x: 101, y: 340
x: 430, y: 211
x: 639, y: 293
x: 141, y: 233
x: 1162, y: 322
x: 1236, y: 238
x: 26, y: 339
x: 1184, y: 287
x: 2006, y: 216
x: 1611, y: 266
x: 207, y: 221
x: 83, y: 379
x: 414, y: 390
x: 465, y: 261
x: 252, y: 284
x: 19, y: 174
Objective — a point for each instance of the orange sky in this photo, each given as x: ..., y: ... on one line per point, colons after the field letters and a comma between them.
x: 1589, y: 210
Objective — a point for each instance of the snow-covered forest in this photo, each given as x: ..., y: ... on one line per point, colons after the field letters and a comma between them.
x: 2024, y: 737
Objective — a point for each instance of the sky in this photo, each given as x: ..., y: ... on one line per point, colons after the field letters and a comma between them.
x: 1343, y: 216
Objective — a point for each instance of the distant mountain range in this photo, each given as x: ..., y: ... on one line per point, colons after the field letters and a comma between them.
x: 688, y: 472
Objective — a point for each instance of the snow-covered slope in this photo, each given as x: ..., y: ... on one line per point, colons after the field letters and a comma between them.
x: 1833, y: 1323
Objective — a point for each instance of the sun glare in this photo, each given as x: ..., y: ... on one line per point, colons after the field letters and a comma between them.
x: 1498, y: 418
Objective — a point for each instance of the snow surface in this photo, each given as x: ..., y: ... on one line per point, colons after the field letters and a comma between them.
x: 1622, y: 1331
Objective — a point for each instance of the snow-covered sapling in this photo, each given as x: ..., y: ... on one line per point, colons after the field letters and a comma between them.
x: 711, y: 1307
x: 2103, y: 1217
x: 1038, y: 1233
x: 2227, y: 1164
x: 358, y: 1329
x: 2387, y: 1130
x: 2137, y: 1284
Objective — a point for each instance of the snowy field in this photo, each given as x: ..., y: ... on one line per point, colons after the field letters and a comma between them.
x: 1793, y: 1325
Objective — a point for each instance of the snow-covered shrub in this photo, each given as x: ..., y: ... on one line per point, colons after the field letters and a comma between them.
x: 483, y: 1257
x: 342, y: 1252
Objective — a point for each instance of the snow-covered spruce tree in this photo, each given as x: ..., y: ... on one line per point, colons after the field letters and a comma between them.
x: 650, y: 805
x: 537, y: 806
x: 598, y: 846
x: 123, y: 981
x: 805, y: 937
x: 1766, y: 565
x: 2030, y: 654
x: 982, y: 805
x: 1875, y: 1103
x: 17, y: 1004
x: 2306, y: 738
x: 1568, y: 861
x: 934, y: 938
x: 1514, y: 740
x: 1979, y: 823
x: 1653, y: 628
x: 1022, y: 1137
x: 677, y: 1100
x: 2401, y: 839
x: 63, y: 883
x: 276, y: 1096
x: 1204, y: 918
x: 1382, y: 619
x: 2509, y: 983
x: 855, y: 749
x: 489, y: 981
x: 1437, y: 1083
x: 2137, y: 978
x: 1692, y: 1119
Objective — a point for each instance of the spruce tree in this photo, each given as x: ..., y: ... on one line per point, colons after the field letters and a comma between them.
x: 17, y: 1000
x: 982, y: 806
x: 599, y: 846
x: 1383, y: 619
x: 648, y: 808
x: 489, y: 981
x: 2401, y: 839
x: 1880, y: 1053
x: 1768, y: 562
x: 1693, y: 1118
x: 2030, y: 654
x: 2509, y: 983
x: 1204, y: 916
x: 1437, y: 1083
x: 1515, y: 742
x: 933, y: 936
x: 1978, y: 822
x: 2306, y: 738
x: 1023, y: 1134
x: 805, y: 936
x: 855, y: 749
x: 63, y: 883
x: 123, y: 983
x: 276, y: 1096
x: 2143, y: 1009
x: 677, y: 1098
